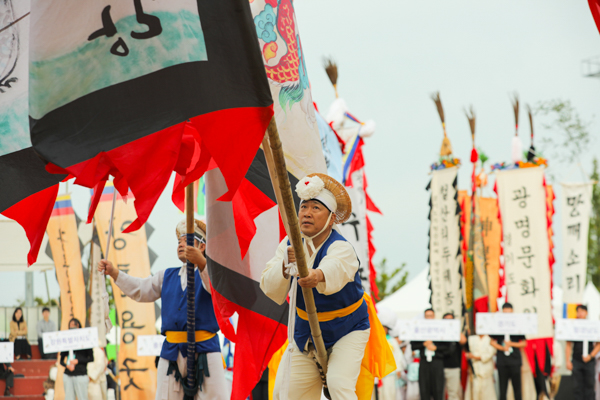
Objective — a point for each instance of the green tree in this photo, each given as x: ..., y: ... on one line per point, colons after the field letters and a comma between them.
x: 385, y: 278
x: 594, y: 233
x: 40, y: 302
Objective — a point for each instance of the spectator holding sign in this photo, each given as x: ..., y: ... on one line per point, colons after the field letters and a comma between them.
x: 7, y: 373
x: 75, y: 379
x: 508, y: 359
x: 18, y: 334
x: 581, y: 365
x: 43, y: 326
x: 431, y: 365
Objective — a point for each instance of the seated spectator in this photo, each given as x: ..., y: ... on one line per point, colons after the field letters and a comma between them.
x: 18, y: 335
x: 75, y: 379
x: 7, y: 373
x: 44, y: 326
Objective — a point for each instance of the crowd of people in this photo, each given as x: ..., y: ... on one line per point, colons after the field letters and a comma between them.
x: 482, y: 367
x: 86, y: 370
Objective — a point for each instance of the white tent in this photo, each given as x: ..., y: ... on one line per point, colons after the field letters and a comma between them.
x: 591, y: 298
x: 412, y: 299
x: 15, y: 247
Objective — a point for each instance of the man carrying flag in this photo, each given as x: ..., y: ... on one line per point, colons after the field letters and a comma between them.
x: 171, y: 286
x: 343, y: 308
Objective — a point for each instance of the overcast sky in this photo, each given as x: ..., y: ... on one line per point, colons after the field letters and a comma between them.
x: 392, y: 55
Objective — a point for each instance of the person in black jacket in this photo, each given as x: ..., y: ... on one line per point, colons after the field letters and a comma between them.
x: 508, y: 359
x: 8, y: 374
x: 75, y: 379
x: 431, y: 365
x: 452, y: 364
x: 583, y: 367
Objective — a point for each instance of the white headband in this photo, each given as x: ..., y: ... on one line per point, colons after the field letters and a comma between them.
x: 327, y: 198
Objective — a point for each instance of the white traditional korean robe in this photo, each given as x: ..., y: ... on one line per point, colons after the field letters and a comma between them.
x: 480, y: 385
x: 167, y: 388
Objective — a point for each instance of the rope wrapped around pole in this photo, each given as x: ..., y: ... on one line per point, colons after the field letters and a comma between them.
x: 288, y: 208
x: 191, y: 290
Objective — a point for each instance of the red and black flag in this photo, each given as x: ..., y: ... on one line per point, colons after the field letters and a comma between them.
x: 244, y: 234
x: 138, y: 89
x: 27, y: 191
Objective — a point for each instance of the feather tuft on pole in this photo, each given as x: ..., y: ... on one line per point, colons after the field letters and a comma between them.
x: 531, y: 152
x: 332, y: 72
x: 471, y: 117
x: 517, y: 146
x: 446, y: 149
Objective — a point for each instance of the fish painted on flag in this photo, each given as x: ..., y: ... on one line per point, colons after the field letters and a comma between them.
x: 138, y: 89
x: 244, y: 234
x: 28, y: 191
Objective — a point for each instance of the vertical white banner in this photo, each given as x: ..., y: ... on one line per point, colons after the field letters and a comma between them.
x: 97, y: 308
x: 355, y: 229
x: 576, y: 206
x: 522, y: 200
x: 444, y: 244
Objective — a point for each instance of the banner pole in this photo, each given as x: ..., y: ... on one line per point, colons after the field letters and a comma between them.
x: 281, y: 183
x: 191, y: 289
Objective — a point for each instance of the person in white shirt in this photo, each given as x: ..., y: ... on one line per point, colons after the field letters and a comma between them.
x: 337, y: 290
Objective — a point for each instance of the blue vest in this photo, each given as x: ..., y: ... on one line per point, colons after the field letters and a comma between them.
x: 174, y: 315
x: 336, y: 329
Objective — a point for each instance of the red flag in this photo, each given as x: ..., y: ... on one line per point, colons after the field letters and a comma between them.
x: 595, y: 8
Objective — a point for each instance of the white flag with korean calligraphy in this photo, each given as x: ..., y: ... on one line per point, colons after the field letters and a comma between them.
x: 355, y: 229
x: 444, y: 244
x: 575, y: 226
x: 522, y: 200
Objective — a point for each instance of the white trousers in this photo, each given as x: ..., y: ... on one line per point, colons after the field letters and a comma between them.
x: 214, y: 386
x: 343, y: 369
x: 453, y: 387
x: 76, y: 387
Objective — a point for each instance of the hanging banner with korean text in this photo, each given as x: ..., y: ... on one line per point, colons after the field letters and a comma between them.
x: 97, y: 279
x: 576, y: 207
x: 522, y: 200
x: 444, y: 243
x: 129, y: 252
x: 355, y: 229
x: 64, y: 243
x: 492, y: 236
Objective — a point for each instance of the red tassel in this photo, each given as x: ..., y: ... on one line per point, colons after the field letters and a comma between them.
x: 474, y: 156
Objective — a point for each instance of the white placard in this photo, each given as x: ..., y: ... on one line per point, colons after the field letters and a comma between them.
x: 506, y: 324
x: 149, y: 345
x: 72, y: 339
x: 439, y: 330
x: 7, y: 352
x: 577, y: 330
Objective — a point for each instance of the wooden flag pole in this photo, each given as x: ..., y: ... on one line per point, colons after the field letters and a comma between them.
x: 191, y: 289
x: 283, y: 191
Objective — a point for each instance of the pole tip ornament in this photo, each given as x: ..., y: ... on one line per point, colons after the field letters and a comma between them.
x: 446, y: 149
x: 329, y: 192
